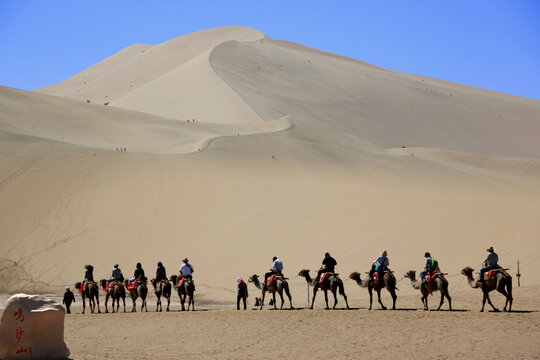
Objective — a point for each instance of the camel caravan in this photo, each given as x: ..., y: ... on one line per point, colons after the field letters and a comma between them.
x: 379, y: 277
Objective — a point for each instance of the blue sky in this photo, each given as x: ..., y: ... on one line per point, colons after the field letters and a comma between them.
x: 486, y: 43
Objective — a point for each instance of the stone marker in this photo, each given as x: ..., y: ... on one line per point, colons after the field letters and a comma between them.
x: 32, y: 327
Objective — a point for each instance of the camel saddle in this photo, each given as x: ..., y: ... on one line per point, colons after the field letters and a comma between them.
x: 84, y: 286
x: 111, y: 284
x: 324, y: 276
x: 272, y: 279
x: 133, y: 284
x: 431, y: 276
x: 491, y: 274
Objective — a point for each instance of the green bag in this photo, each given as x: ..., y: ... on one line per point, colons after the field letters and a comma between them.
x: 434, y: 264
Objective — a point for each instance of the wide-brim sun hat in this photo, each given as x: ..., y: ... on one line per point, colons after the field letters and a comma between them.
x: 490, y: 248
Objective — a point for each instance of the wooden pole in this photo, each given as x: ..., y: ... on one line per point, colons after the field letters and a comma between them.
x: 518, y: 275
x: 308, y: 293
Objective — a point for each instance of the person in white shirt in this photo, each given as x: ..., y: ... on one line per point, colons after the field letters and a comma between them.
x: 186, y: 269
x: 277, y: 268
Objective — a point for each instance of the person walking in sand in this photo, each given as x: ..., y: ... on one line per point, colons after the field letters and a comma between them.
x: 242, y: 293
x: 68, y: 299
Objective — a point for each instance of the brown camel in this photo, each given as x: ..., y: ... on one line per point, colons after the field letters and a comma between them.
x: 116, y: 291
x: 91, y: 293
x: 502, y: 282
x: 138, y: 291
x: 278, y: 286
x: 163, y: 288
x: 389, y: 283
x: 429, y: 287
x: 332, y: 283
x: 184, y: 291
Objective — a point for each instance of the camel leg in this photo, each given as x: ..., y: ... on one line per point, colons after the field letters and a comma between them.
x: 157, y: 302
x: 183, y: 301
x: 83, y: 305
x: 134, y: 304
x: 326, y: 298
x: 168, y: 302
x: 506, y: 295
x: 124, y: 301
x: 262, y: 300
x: 449, y: 300
x: 288, y: 293
x: 106, y: 302
x: 274, y: 298
x: 315, y: 288
x: 442, y: 301
x: 335, y: 298
x: 379, y: 299
x: 192, y: 300
x: 97, y: 302
x: 394, y: 298
x: 370, y: 291
x: 282, y: 300
x: 486, y: 297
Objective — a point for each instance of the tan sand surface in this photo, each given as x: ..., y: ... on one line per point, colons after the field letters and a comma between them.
x: 294, y: 152
x: 220, y: 333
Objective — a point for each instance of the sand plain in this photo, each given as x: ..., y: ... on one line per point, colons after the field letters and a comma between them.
x: 289, y: 151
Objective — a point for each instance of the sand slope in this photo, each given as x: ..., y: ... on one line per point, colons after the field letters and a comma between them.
x: 323, y: 168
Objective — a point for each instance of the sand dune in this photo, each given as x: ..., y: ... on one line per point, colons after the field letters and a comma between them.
x: 341, y: 156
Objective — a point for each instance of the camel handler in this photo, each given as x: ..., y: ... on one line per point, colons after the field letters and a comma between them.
x: 116, y: 274
x: 431, y: 265
x: 186, y: 269
x: 490, y: 263
x: 277, y: 268
x: 68, y: 299
x: 328, y: 265
x: 242, y: 293
x: 379, y: 265
x: 161, y: 272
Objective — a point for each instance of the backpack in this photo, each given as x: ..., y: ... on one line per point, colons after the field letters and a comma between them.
x: 434, y: 264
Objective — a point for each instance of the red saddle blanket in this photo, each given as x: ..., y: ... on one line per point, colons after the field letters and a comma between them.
x: 133, y: 284
x: 181, y: 281
x: 271, y: 279
x: 82, y: 288
x: 323, y: 277
x: 431, y: 276
x: 111, y: 284
x: 376, y: 277
x: 490, y: 273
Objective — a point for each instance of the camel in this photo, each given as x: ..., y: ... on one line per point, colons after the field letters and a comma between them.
x: 332, y: 283
x: 389, y: 283
x: 91, y: 293
x: 185, y: 290
x: 116, y: 291
x: 278, y: 286
x: 429, y: 287
x: 502, y: 282
x: 162, y: 289
x: 139, y: 291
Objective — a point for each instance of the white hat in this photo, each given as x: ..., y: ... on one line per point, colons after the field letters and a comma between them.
x: 67, y: 287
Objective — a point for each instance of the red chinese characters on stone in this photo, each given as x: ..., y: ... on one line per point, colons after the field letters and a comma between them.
x: 19, y: 333
x: 19, y: 315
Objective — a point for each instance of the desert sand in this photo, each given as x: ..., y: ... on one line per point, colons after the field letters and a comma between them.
x: 240, y: 147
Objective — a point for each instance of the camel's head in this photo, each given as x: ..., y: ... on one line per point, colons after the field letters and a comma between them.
x: 78, y: 285
x: 153, y: 282
x: 355, y: 275
x: 304, y: 272
x: 174, y: 278
x: 103, y: 283
x: 410, y: 274
x: 253, y: 278
x: 467, y: 271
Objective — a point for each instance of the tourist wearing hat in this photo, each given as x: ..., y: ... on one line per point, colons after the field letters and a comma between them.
x: 116, y: 274
x: 186, y: 269
x: 242, y: 293
x: 490, y: 263
x: 380, y: 265
x: 68, y: 299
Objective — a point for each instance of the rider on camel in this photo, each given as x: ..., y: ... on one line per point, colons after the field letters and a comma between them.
x: 490, y: 263
x: 328, y: 265
x: 88, y: 274
x: 277, y: 268
x: 161, y: 272
x: 116, y: 274
x: 380, y: 265
x: 428, y: 268
x: 186, y: 269
x: 138, y: 274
